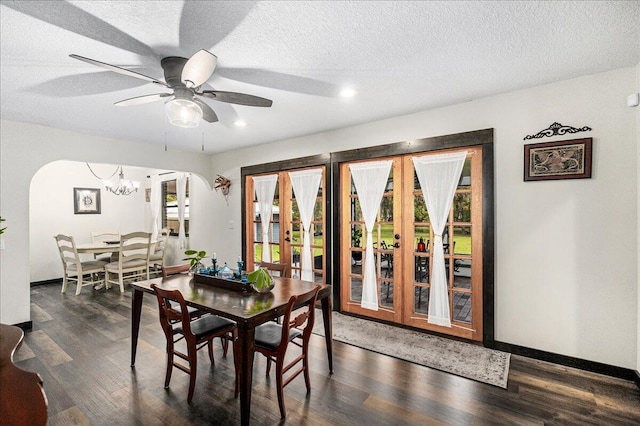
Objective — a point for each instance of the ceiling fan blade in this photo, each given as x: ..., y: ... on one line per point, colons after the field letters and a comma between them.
x: 119, y: 70
x: 207, y: 113
x: 199, y: 68
x: 237, y: 98
x: 139, y: 100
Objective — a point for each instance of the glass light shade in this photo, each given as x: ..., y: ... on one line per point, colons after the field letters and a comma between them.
x: 183, y: 113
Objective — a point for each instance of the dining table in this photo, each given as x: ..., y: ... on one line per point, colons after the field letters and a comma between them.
x: 247, y: 308
x: 99, y: 247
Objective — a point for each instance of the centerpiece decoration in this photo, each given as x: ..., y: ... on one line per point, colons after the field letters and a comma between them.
x: 261, y: 281
x: 195, y: 259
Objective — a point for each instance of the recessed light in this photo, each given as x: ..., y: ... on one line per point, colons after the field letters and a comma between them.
x: 348, y: 92
x: 240, y: 123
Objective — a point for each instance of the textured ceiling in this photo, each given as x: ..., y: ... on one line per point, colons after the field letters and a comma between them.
x: 401, y: 57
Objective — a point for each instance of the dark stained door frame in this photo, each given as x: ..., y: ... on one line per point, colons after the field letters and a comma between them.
x: 332, y: 161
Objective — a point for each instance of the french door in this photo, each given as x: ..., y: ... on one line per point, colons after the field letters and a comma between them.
x: 285, y: 227
x: 403, y: 246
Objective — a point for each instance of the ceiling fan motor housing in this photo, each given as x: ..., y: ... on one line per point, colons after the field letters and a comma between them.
x: 172, y: 66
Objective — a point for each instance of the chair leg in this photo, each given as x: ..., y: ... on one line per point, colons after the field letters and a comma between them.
x: 210, y: 347
x: 79, y: 284
x: 224, y: 340
x: 236, y: 362
x: 65, y: 283
x: 305, y: 365
x: 193, y: 368
x: 268, y: 365
x: 121, y: 281
x: 280, y: 388
x: 167, y: 377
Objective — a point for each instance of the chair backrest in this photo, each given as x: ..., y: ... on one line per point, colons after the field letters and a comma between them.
x: 135, y: 246
x: 161, y: 241
x: 281, y: 268
x: 174, y: 269
x: 170, y: 316
x: 68, y: 253
x: 104, y: 236
x: 304, y: 317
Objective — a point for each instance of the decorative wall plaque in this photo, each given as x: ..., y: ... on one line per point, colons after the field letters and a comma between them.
x: 558, y: 160
x: 557, y: 129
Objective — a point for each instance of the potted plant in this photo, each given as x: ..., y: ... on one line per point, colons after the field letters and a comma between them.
x: 195, y: 259
x: 261, y: 281
x: 2, y: 229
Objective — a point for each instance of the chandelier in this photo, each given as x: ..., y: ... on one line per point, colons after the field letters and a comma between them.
x: 122, y: 186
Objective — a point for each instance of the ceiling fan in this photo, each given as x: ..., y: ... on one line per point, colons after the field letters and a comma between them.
x: 184, y: 76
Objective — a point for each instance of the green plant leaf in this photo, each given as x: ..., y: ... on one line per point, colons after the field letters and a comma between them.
x: 260, y: 278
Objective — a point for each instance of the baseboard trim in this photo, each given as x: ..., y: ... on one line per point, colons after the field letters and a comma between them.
x: 582, y: 364
x: 46, y: 282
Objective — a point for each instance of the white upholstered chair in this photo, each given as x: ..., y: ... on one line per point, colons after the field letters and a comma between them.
x: 82, y: 273
x: 133, y: 260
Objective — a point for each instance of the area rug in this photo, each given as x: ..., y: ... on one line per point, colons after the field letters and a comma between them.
x: 459, y: 358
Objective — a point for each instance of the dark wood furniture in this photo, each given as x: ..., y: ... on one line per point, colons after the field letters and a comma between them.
x: 178, y: 325
x: 248, y: 310
x: 174, y: 269
x: 272, y: 341
x: 22, y: 398
x: 281, y: 268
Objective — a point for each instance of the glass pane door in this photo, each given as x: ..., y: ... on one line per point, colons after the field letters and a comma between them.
x: 403, y: 245
x: 385, y: 234
x: 286, y: 228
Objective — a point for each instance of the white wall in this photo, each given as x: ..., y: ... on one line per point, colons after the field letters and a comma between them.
x: 24, y: 149
x: 51, y: 211
x: 566, y: 251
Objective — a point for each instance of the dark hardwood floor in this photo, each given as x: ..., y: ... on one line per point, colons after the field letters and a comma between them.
x: 80, y: 347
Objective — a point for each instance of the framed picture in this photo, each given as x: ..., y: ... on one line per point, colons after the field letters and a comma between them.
x: 558, y: 160
x: 86, y: 200
x: 147, y: 195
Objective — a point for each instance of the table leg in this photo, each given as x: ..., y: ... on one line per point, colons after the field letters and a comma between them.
x: 246, y: 341
x: 136, y: 310
x: 328, y: 334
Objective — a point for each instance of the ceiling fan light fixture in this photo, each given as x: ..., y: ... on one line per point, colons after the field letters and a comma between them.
x: 183, y: 113
x: 348, y: 92
x: 240, y: 123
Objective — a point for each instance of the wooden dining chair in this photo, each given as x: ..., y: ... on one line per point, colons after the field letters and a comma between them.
x: 167, y: 271
x: 90, y: 272
x: 104, y: 236
x: 159, y: 255
x: 178, y: 325
x: 133, y: 260
x: 282, y: 269
x: 272, y: 340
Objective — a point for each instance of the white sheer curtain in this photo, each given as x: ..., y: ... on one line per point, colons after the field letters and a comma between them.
x: 370, y: 180
x: 265, y: 187
x: 438, y: 176
x: 155, y: 203
x: 305, y: 185
x: 181, y: 192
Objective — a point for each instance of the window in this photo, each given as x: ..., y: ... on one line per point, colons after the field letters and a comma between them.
x: 170, y: 208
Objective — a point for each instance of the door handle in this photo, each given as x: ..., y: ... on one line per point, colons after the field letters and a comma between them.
x: 396, y: 245
x: 288, y: 239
